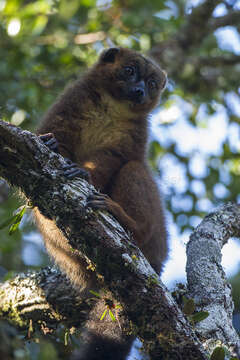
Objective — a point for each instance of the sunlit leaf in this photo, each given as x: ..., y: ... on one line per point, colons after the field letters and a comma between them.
x: 103, y: 315
x: 40, y: 24
x: 17, y: 220
x: 68, y: 8
x: 66, y: 337
x: 95, y: 293
x: 111, y: 315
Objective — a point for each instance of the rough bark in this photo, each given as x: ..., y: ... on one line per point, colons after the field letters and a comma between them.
x: 207, y: 283
x: 156, y: 318
x: 45, y: 298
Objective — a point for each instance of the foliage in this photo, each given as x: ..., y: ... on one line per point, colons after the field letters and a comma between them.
x: 14, y: 220
x: 45, y: 44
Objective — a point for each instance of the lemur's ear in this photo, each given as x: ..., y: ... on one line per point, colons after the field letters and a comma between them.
x: 164, y: 80
x: 109, y: 55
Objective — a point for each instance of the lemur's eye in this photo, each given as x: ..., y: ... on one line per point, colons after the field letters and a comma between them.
x: 152, y: 84
x: 129, y: 70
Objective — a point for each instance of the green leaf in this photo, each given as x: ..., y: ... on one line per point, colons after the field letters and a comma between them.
x: 200, y: 316
x: 103, y: 315
x: 9, y: 275
x: 189, y: 306
x: 7, y: 222
x: 95, y: 293
x: 14, y: 220
x: 40, y: 24
x: 66, y: 337
x: 68, y: 8
x: 218, y: 354
x: 112, y: 316
x: 17, y: 219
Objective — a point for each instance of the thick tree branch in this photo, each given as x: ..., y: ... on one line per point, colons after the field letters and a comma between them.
x: 194, y: 74
x: 46, y: 298
x: 196, y: 27
x: 157, y: 320
x: 207, y: 281
x: 219, y: 61
x: 230, y: 19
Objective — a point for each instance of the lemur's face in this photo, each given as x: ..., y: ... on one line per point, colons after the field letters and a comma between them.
x: 130, y: 77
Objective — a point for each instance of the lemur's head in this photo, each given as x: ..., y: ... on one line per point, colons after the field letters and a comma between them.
x: 131, y: 77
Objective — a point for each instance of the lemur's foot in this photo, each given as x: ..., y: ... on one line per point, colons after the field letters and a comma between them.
x: 99, y: 201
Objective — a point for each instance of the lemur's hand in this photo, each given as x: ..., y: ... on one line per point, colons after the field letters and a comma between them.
x: 50, y: 141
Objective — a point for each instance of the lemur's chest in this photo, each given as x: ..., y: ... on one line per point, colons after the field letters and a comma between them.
x: 105, y: 126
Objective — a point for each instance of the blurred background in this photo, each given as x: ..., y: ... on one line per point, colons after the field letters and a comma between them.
x: 194, y: 133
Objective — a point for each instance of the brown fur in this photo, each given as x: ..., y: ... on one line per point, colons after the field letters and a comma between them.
x: 101, y: 128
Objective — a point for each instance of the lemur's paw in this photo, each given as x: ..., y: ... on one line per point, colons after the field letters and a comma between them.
x: 50, y: 141
x: 100, y: 201
x: 71, y: 170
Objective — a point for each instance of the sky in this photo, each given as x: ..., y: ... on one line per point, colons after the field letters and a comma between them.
x: 203, y: 141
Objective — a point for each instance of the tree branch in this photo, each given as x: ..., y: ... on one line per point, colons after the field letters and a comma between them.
x: 196, y: 26
x: 207, y: 281
x: 156, y: 317
x: 218, y: 61
x: 41, y: 297
x: 230, y: 19
x: 192, y: 38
